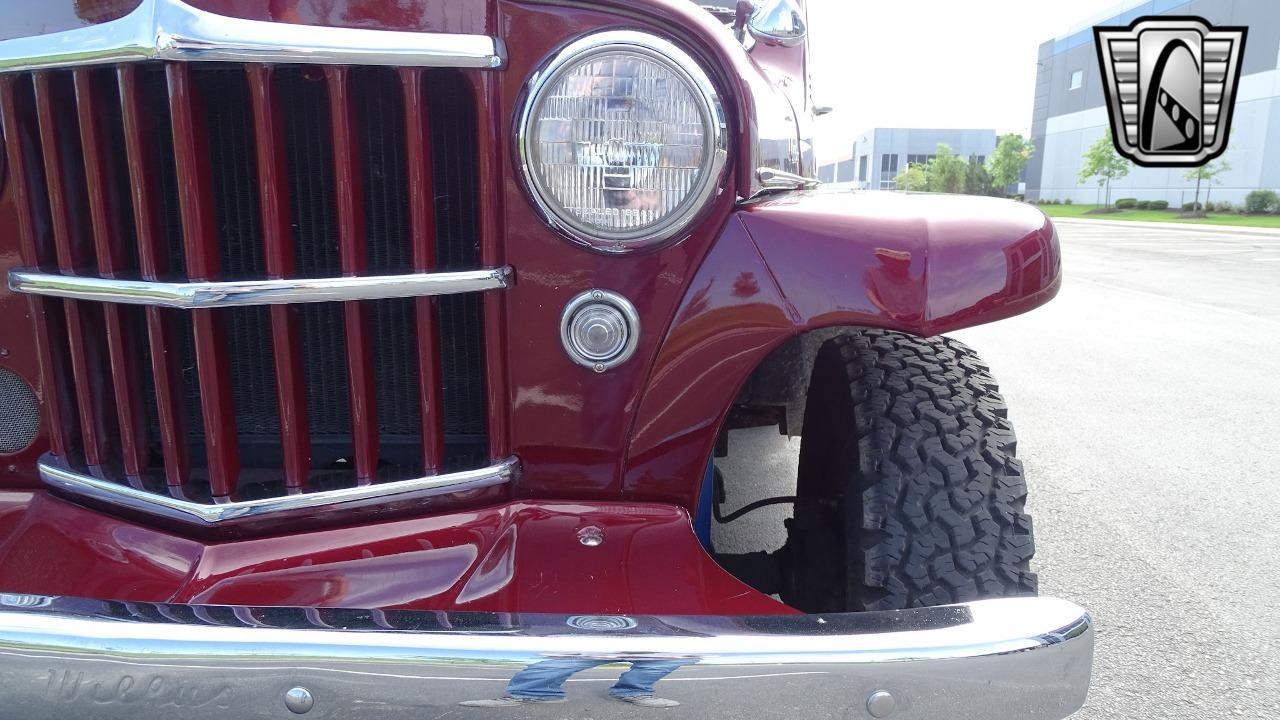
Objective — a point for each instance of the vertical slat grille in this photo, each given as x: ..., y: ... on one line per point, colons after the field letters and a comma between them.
x: 218, y: 172
x: 147, y: 169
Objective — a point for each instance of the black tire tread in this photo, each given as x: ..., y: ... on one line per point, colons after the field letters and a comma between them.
x: 940, y: 495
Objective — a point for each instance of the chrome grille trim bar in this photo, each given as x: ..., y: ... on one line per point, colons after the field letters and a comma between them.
x: 174, y: 30
x: 239, y: 293
x: 238, y: 513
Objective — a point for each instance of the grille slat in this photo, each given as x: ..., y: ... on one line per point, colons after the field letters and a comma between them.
x: 100, y: 138
x: 277, y: 238
x: 228, y: 113
x: 212, y: 171
x: 422, y: 224
x: 381, y: 101
x: 203, y: 256
x: 353, y: 257
x: 68, y: 205
x: 147, y: 168
x: 304, y: 104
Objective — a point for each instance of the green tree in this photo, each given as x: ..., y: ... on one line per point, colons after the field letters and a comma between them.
x: 1010, y: 157
x: 912, y: 179
x: 977, y: 181
x: 946, y: 171
x: 1208, y: 173
x: 1101, y: 161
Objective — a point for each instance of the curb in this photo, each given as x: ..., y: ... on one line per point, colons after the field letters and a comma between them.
x: 1197, y: 227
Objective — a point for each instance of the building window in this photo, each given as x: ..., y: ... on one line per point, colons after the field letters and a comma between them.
x: 888, y: 171
x: 862, y: 169
x: 982, y: 159
x: 1077, y: 79
x: 888, y: 166
x: 919, y: 159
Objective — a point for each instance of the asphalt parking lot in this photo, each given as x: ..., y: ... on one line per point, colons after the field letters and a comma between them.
x: 1146, y: 399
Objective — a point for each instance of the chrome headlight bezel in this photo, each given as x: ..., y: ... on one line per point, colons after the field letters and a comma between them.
x: 714, y: 158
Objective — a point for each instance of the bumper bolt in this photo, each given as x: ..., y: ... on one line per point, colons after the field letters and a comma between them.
x: 880, y: 703
x: 299, y: 700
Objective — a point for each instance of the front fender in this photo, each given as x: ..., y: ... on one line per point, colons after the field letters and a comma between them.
x: 916, y: 263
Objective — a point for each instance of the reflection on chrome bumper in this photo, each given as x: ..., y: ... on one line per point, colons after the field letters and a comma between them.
x: 70, y: 657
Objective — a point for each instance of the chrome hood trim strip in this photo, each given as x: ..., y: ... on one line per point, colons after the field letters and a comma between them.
x: 239, y: 293
x: 240, y: 513
x: 1008, y: 658
x: 174, y: 30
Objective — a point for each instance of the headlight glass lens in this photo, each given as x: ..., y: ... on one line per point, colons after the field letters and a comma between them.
x: 621, y: 145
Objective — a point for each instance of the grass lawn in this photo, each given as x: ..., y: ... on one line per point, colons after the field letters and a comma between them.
x: 1078, y: 211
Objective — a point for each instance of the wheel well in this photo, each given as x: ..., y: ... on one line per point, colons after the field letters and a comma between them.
x: 774, y: 394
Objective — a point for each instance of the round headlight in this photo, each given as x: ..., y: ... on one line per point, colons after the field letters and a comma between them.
x: 622, y: 140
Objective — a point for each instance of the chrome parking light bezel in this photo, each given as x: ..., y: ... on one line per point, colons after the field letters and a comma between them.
x: 600, y: 297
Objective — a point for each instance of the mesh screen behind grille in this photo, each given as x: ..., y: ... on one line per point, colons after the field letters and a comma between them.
x: 304, y: 105
x: 19, y: 413
x: 386, y: 182
x: 233, y: 169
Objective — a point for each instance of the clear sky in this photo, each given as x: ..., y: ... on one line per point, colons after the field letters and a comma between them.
x: 932, y: 63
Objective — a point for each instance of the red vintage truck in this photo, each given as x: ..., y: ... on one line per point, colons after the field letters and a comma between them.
x: 369, y: 358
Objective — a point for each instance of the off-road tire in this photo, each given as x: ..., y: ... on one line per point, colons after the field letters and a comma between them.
x: 909, y: 491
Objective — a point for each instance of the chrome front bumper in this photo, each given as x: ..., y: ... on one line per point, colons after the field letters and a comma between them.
x: 69, y: 657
